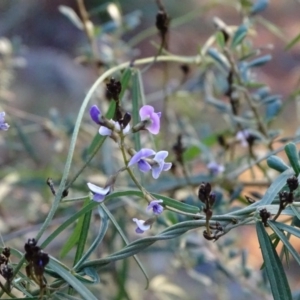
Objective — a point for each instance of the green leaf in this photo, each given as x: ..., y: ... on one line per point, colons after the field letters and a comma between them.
x: 82, y: 237
x: 166, y: 200
x: 274, y: 269
x: 239, y: 35
x: 292, y: 154
x: 125, y: 79
x: 71, y: 280
x: 136, y: 95
x: 295, y: 211
x: 218, y: 57
x: 285, y: 241
x: 191, y: 153
x: 293, y: 42
x: 290, y: 229
x: 68, y: 222
x: 276, y: 163
x: 220, y: 39
x: 74, y: 237
x: 63, y: 296
x: 99, y: 139
x: 275, y: 187
x: 124, y: 238
x: 102, y: 231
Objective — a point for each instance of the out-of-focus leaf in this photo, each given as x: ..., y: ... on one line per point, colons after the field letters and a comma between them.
x: 218, y: 104
x: 285, y: 241
x: 273, y: 28
x: 259, y: 6
x: 191, y: 153
x: 260, y: 61
x: 293, y: 42
x: 270, y: 99
x: 220, y: 39
x: 71, y: 15
x: 272, y: 109
x: 276, y: 163
x: 219, y: 58
x: 274, y: 269
x: 63, y: 296
x: 239, y: 35
x: 292, y: 154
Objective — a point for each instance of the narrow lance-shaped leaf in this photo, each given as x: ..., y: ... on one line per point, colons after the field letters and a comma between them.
x: 276, y: 163
x: 74, y: 237
x: 292, y: 154
x: 239, y: 35
x: 136, y: 95
x: 71, y: 280
x: 274, y: 269
x: 285, y: 241
x: 293, y: 42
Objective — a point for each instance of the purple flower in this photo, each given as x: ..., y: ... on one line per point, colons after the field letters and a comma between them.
x: 106, y: 131
x: 160, y: 164
x: 153, y: 119
x: 99, y: 193
x: 242, y: 136
x: 3, y: 126
x: 141, y: 226
x: 95, y: 113
x: 139, y: 158
x: 156, y: 207
x: 215, y: 168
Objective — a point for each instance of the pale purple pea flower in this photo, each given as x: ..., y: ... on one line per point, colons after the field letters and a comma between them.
x: 106, y: 131
x: 156, y: 207
x: 99, y: 193
x: 242, y: 136
x: 148, y: 114
x: 141, y: 226
x: 160, y: 164
x: 215, y: 168
x: 95, y: 113
x: 3, y: 126
x: 139, y: 158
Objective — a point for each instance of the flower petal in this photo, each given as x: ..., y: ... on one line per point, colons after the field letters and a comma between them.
x: 140, y: 225
x: 146, y: 111
x: 144, y: 166
x: 98, y: 197
x: 160, y: 156
x: 156, y: 170
x: 126, y: 129
x: 154, y: 126
x: 143, y: 153
x: 98, y: 190
x: 167, y: 166
x: 104, y: 131
x: 94, y: 113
